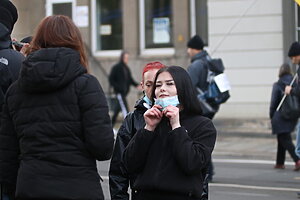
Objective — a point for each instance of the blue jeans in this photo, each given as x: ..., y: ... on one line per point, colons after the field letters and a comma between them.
x: 297, y: 149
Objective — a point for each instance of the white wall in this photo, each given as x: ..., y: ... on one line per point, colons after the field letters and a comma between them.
x: 247, y: 34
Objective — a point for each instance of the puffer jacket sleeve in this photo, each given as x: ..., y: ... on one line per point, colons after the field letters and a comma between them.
x: 193, y: 151
x: 9, y: 151
x: 97, y: 129
x: 118, y: 179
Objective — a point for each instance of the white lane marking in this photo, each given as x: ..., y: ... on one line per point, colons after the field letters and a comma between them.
x: 242, y: 194
x: 105, y: 177
x: 254, y: 187
x: 241, y: 161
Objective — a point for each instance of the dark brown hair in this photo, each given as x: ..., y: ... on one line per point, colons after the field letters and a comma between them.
x: 58, y: 31
x: 186, y: 92
x: 284, y: 69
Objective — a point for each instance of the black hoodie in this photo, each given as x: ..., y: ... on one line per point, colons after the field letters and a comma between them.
x: 55, y: 126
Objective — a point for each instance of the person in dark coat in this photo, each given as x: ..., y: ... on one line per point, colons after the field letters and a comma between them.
x: 120, y: 79
x: 10, y: 60
x: 281, y: 127
x: 170, y: 154
x: 119, y: 180
x: 55, y: 122
x: 10, y: 64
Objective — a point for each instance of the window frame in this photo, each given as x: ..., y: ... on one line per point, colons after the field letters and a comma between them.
x: 193, y: 22
x: 297, y: 27
x: 49, y: 8
x: 168, y: 51
x: 95, y: 51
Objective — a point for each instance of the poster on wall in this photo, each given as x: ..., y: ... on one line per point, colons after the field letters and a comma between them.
x: 82, y: 16
x: 161, y: 27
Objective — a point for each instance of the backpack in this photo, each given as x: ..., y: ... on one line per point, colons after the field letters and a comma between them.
x: 218, y: 85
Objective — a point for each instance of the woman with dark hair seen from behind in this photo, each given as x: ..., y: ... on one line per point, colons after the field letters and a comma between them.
x: 170, y: 154
x: 55, y: 120
x: 281, y: 127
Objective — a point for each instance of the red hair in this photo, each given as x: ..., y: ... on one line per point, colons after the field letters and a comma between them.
x: 58, y: 31
x: 152, y: 65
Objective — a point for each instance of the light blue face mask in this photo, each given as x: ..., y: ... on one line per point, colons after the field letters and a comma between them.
x: 147, y: 100
x: 164, y: 102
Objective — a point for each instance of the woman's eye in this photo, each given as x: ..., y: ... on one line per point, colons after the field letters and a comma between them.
x: 157, y: 85
x: 148, y: 85
x: 170, y: 83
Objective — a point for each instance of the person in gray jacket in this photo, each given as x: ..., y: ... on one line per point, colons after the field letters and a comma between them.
x: 198, y: 71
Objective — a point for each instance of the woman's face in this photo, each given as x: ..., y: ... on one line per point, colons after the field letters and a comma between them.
x: 148, y: 81
x: 165, y: 86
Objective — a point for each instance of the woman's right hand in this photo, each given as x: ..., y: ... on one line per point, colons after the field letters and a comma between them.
x: 152, y: 117
x: 287, y: 90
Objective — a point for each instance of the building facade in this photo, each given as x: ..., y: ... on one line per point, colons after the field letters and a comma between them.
x: 251, y: 36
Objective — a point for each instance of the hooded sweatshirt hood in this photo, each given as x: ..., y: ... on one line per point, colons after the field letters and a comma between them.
x: 5, y: 40
x: 50, y: 69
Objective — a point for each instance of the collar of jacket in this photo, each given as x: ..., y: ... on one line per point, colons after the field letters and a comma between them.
x: 199, y: 55
x: 139, y: 105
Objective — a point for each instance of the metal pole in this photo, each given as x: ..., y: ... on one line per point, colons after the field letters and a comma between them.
x: 283, y: 98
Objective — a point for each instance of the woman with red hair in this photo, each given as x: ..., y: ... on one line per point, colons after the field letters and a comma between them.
x: 55, y: 120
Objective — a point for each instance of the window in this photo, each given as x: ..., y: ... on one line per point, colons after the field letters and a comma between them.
x: 61, y: 7
x: 156, y: 26
x: 199, y: 19
x: 297, y: 21
x: 109, y: 33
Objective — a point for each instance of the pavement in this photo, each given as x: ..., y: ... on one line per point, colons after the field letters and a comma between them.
x: 246, y: 138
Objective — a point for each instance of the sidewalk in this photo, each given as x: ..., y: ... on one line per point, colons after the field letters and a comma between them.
x: 247, y: 138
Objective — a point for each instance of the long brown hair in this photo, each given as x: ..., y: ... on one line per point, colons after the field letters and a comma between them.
x: 58, y: 31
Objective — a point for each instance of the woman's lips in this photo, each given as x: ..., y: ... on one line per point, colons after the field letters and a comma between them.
x: 163, y: 96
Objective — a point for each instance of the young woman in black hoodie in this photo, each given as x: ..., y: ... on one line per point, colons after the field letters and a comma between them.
x: 170, y: 154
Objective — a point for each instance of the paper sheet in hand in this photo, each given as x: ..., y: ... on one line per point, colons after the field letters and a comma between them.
x: 222, y: 82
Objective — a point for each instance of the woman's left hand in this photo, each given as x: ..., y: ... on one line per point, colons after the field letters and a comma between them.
x: 172, y: 112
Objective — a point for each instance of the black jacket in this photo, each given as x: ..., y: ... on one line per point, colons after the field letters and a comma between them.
x: 55, y: 126
x: 279, y: 124
x: 120, y: 78
x: 119, y: 180
x: 171, y: 162
x: 10, y: 63
x: 296, y: 90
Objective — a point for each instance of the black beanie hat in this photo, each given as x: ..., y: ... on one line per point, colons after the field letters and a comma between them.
x: 11, y: 9
x: 196, y: 43
x: 6, y: 18
x: 294, y: 49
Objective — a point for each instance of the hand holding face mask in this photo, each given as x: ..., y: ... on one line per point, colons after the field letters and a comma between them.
x: 164, y: 102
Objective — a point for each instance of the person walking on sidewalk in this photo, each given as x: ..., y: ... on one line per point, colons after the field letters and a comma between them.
x: 294, y: 54
x: 120, y: 79
x: 281, y: 127
x: 55, y: 121
x: 170, y: 154
x: 119, y: 180
x: 198, y: 71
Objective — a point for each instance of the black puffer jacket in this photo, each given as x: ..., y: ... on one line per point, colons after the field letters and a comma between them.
x: 10, y: 63
x: 119, y: 180
x: 55, y: 126
x: 169, y: 162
